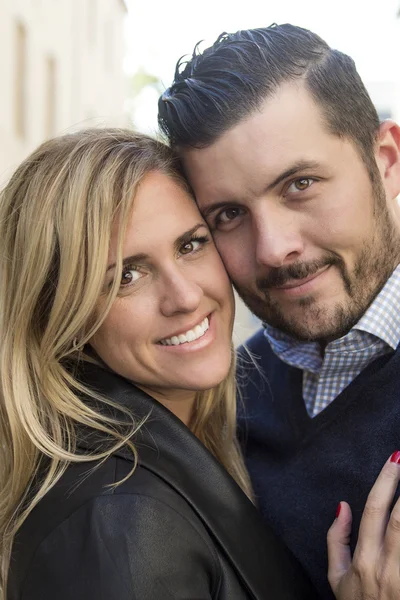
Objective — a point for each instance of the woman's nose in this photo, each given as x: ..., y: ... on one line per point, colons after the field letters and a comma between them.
x: 180, y: 294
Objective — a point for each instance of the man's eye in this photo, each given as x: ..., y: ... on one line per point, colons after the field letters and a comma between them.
x: 300, y: 185
x: 228, y: 215
x: 130, y: 275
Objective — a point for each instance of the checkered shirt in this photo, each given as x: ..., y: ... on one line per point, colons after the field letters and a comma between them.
x: 376, y: 333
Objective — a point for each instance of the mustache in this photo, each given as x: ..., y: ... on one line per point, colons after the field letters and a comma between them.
x: 300, y: 270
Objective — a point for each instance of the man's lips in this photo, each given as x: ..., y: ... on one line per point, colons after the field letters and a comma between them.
x: 295, y: 283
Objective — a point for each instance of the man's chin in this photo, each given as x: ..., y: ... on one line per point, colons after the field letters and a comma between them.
x: 314, y: 333
x: 307, y: 322
x: 304, y: 331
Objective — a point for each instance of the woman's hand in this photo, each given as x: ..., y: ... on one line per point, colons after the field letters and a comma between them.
x: 374, y: 572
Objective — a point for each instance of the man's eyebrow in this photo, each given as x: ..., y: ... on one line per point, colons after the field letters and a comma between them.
x: 180, y: 241
x: 216, y: 205
x: 296, y: 168
x: 302, y: 165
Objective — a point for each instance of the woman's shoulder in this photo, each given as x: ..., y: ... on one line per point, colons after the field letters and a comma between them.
x: 89, y: 490
x: 86, y: 521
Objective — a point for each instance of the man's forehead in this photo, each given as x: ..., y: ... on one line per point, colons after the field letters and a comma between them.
x: 279, y: 121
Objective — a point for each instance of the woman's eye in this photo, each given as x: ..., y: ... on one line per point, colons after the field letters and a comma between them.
x: 190, y: 247
x: 300, y: 185
x: 194, y: 245
x: 130, y: 276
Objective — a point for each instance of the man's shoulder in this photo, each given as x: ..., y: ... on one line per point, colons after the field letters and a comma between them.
x: 261, y: 373
x: 256, y: 341
x: 256, y: 350
x: 255, y: 363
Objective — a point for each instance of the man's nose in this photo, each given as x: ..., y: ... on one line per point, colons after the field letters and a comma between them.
x: 277, y: 239
x: 179, y: 294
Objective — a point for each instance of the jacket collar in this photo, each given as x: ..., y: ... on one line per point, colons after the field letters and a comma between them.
x: 168, y: 449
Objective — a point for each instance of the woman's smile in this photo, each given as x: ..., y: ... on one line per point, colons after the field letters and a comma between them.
x: 194, y: 339
x: 188, y: 336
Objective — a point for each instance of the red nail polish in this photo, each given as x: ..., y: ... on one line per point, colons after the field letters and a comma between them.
x: 339, y: 508
x: 395, y: 457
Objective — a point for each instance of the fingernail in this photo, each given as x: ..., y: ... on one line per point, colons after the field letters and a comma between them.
x: 395, y: 457
x: 339, y: 508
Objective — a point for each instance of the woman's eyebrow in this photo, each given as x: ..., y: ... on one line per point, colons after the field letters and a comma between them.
x: 130, y: 259
x: 180, y: 241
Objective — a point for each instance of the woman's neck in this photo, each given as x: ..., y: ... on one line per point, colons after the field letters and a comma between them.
x: 179, y: 402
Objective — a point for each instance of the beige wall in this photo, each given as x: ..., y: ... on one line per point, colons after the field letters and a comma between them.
x: 386, y: 97
x: 61, y: 68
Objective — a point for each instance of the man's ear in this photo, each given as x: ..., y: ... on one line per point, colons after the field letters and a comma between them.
x: 388, y: 156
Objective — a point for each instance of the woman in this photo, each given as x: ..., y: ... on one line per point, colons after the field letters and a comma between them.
x: 109, y: 489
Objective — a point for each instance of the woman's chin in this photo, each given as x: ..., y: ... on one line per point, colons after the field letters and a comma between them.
x: 207, y: 377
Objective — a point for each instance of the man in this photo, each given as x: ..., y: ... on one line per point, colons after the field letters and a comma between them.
x: 298, y: 181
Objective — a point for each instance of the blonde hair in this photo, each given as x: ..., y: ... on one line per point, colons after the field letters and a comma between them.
x: 56, y: 215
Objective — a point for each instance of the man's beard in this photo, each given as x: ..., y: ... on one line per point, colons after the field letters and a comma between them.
x: 376, y: 261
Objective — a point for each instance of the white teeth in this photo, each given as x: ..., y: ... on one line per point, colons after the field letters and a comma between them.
x: 198, y: 330
x: 190, y: 336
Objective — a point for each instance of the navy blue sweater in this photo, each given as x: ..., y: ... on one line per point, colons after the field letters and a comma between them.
x: 301, y: 467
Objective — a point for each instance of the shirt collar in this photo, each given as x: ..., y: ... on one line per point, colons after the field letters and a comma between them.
x: 382, y: 319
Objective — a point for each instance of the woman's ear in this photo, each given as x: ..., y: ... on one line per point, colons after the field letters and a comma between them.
x: 388, y: 157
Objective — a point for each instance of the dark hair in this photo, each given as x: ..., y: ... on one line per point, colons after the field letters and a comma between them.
x: 217, y: 88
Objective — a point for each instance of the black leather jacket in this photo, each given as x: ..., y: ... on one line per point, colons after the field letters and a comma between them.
x: 178, y: 528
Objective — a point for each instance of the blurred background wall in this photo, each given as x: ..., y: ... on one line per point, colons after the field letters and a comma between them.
x: 61, y: 67
x: 161, y: 32
x: 69, y: 64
